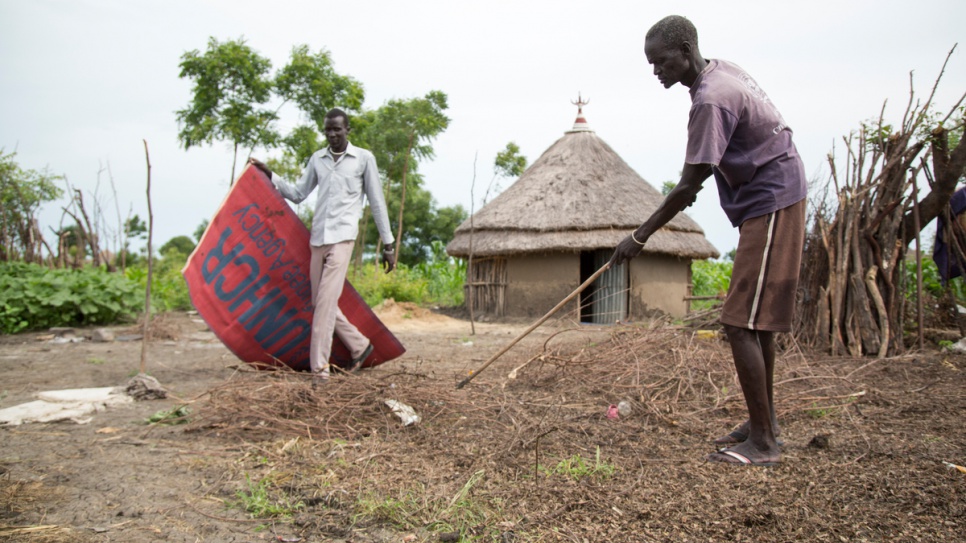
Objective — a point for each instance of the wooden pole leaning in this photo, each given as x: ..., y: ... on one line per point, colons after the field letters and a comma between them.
x: 534, y: 326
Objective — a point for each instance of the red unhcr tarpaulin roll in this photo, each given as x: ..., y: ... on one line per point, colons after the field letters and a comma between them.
x: 249, y: 280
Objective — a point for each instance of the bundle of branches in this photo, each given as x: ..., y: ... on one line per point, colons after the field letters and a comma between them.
x: 258, y: 405
x: 853, y: 280
x: 668, y: 377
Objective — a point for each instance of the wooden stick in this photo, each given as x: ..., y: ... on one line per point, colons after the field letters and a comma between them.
x: 534, y: 326
x: 146, y: 333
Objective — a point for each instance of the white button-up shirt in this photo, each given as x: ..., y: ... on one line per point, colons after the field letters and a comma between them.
x: 343, y: 185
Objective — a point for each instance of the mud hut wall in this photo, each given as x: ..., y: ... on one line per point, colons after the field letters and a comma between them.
x: 658, y: 282
x: 537, y: 282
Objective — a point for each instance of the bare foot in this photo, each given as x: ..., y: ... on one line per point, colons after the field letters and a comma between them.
x: 740, y: 434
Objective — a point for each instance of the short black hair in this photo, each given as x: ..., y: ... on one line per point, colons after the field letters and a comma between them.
x: 675, y: 30
x: 335, y: 113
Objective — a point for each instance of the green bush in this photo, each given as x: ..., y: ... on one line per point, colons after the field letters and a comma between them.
x: 438, y: 281
x: 932, y: 281
x: 33, y: 297
x: 169, y: 291
x: 709, y: 278
x: 445, y: 276
x: 402, y: 285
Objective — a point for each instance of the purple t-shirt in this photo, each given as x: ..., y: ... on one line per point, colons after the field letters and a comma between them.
x: 736, y: 128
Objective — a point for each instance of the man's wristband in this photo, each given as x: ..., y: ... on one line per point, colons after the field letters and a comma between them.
x: 635, y: 239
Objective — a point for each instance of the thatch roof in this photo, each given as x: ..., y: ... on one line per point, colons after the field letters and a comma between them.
x: 579, y: 195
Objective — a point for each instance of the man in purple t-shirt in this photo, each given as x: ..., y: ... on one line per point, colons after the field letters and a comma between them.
x: 736, y: 134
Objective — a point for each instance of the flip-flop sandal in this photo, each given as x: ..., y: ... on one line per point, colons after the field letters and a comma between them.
x: 727, y: 456
x: 356, y: 363
x: 737, y: 436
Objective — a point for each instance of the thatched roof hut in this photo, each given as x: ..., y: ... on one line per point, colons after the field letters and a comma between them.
x: 578, y: 197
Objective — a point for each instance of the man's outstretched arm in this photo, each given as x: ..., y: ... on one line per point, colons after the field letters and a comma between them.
x: 681, y: 196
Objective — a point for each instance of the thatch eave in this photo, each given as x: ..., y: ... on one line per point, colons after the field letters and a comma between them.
x: 508, y: 242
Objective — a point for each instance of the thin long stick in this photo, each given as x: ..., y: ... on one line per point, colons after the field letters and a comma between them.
x: 147, y: 290
x: 534, y: 326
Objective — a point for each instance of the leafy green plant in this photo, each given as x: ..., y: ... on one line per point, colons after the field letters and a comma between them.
x: 177, y: 415
x: 436, y: 281
x: 402, y: 285
x: 257, y: 501
x: 444, y: 275
x: 169, y: 291
x: 932, y: 281
x: 709, y: 278
x: 34, y: 297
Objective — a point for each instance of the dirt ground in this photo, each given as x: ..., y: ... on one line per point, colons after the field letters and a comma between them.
x: 533, y: 458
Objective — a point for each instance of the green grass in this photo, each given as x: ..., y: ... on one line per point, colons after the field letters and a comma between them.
x: 397, y: 511
x: 411, y: 509
x: 577, y: 468
x: 257, y: 500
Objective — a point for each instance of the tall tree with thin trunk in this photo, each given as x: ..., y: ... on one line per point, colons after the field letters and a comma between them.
x: 401, y: 133
x: 231, y: 86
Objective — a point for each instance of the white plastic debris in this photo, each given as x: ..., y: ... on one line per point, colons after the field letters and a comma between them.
x: 959, y: 346
x: 405, y: 413
x: 57, y: 405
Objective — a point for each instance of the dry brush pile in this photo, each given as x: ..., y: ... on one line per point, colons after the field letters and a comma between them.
x: 535, y: 457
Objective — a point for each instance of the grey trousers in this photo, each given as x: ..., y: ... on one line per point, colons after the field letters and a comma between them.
x: 327, y: 270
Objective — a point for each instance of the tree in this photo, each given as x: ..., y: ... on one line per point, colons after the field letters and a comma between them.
x: 182, y: 244
x: 21, y: 194
x: 230, y: 84
x: 297, y: 148
x: 200, y: 230
x: 136, y: 227
x: 428, y: 223
x: 509, y: 163
x: 400, y: 134
x: 313, y: 85
x: 667, y: 187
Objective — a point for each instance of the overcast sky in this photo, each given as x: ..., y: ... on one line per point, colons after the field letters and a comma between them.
x: 82, y: 83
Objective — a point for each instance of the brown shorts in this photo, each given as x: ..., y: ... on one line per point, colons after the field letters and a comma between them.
x: 764, y: 278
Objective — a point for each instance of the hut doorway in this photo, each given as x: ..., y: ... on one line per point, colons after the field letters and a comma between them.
x: 605, y: 301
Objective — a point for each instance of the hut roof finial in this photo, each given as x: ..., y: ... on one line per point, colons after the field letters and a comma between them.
x: 580, y: 125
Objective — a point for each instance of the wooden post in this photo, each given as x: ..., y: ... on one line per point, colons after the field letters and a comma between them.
x: 147, y: 294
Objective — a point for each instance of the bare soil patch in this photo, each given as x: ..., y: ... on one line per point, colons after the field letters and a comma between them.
x: 533, y: 458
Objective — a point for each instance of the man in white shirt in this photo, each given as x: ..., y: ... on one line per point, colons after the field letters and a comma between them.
x: 345, y: 175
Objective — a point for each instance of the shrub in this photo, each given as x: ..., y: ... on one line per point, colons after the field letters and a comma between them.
x: 402, y: 285
x: 709, y: 278
x: 169, y: 291
x: 34, y: 297
x: 437, y: 281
